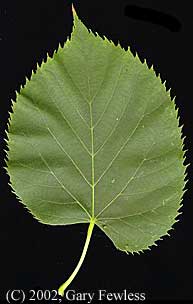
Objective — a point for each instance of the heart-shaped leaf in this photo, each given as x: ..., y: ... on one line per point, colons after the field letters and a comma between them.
x: 94, y: 138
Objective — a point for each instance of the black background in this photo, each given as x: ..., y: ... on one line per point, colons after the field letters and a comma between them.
x: 35, y: 256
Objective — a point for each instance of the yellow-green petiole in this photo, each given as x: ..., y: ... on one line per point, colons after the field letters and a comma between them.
x: 67, y: 283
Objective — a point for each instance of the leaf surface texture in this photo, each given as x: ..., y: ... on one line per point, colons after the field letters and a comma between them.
x: 94, y: 134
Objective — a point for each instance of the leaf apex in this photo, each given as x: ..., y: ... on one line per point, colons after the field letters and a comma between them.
x: 73, y: 10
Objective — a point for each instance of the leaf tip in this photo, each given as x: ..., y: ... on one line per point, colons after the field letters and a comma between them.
x: 73, y: 10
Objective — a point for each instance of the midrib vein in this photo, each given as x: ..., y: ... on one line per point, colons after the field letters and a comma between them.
x: 92, y: 159
x: 92, y: 149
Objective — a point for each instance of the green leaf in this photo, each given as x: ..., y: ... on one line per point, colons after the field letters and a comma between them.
x: 94, y: 138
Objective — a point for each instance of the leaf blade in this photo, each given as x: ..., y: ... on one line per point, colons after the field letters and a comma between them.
x: 101, y: 128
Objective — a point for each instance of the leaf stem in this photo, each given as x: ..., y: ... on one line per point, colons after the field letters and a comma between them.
x: 70, y: 279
